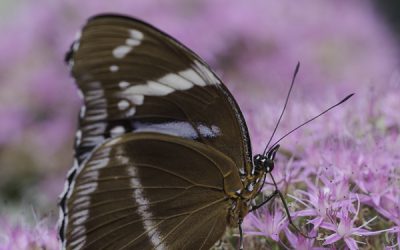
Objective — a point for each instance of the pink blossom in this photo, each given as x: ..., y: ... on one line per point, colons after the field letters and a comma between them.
x: 321, y: 201
x: 19, y: 236
x: 265, y: 223
x: 346, y: 229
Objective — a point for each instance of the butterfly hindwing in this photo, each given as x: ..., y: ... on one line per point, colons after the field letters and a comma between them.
x: 139, y: 191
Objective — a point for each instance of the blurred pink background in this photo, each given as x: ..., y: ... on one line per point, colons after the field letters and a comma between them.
x: 343, y: 46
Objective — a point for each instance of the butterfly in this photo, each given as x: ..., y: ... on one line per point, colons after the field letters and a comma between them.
x: 162, y: 153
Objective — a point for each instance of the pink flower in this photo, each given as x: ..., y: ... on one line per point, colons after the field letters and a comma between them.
x: 320, y: 202
x: 299, y: 242
x: 264, y: 222
x: 18, y: 236
x: 346, y: 229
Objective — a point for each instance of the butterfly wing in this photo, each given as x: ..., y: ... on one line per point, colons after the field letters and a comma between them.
x: 135, y: 79
x: 140, y: 191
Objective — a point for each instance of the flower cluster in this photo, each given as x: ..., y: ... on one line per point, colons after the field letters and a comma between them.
x: 348, y: 191
x: 20, y: 236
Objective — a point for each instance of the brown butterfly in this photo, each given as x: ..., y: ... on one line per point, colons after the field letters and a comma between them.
x: 163, y: 157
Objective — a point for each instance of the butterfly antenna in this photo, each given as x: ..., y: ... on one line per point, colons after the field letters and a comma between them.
x: 284, y: 107
x: 312, y: 119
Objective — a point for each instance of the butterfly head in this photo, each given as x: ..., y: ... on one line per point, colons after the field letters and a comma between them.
x: 266, y: 162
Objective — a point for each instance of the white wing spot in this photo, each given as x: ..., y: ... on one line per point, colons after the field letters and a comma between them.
x: 122, y: 105
x: 181, y: 129
x: 80, y: 217
x: 193, y: 76
x: 83, y: 111
x: 71, y: 64
x: 167, y: 84
x: 78, y: 136
x: 78, y: 243
x: 114, y: 68
x: 119, y: 130
x: 209, y: 132
x: 137, y: 99
x: 94, y: 94
x: 176, y: 81
x: 211, y: 79
x: 151, y: 89
x: 132, y: 42
x: 86, y: 189
x: 78, y: 35
x: 75, y: 47
x: 130, y: 112
x: 216, y: 130
x: 76, y: 44
x: 136, y: 34
x: 121, y: 51
x: 135, y: 39
x: 123, y: 84
x: 161, y: 89
x: 92, y: 140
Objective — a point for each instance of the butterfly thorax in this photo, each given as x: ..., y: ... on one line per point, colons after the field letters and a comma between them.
x: 241, y: 203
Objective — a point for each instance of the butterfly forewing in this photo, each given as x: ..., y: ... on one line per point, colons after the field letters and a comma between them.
x: 134, y: 77
x: 160, y: 147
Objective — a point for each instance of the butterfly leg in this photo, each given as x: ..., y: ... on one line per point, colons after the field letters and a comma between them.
x: 240, y: 234
x: 277, y: 191
x: 289, y: 217
x: 270, y: 197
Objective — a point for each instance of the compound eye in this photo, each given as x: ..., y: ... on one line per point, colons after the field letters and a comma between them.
x: 258, y: 160
x: 269, y: 165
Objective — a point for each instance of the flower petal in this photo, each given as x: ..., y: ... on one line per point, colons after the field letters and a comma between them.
x: 329, y: 226
x: 291, y: 237
x: 351, y: 243
x: 332, y: 238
